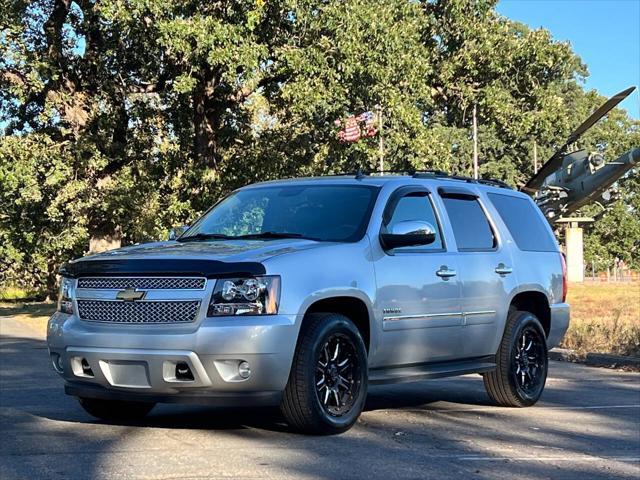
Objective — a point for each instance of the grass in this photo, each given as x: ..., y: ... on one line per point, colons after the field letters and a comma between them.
x: 605, y: 318
x: 10, y: 293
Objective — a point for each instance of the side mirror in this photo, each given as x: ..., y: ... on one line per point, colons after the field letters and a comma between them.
x: 408, y: 233
x: 175, y: 232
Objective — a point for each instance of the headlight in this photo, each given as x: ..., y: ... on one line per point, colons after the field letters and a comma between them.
x: 245, y: 296
x: 65, y: 305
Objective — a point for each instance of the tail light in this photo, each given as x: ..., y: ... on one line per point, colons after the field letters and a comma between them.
x: 565, y: 283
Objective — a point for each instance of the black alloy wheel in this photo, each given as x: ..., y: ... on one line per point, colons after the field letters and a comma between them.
x: 522, y: 362
x: 337, y: 375
x: 328, y: 381
x: 529, y: 365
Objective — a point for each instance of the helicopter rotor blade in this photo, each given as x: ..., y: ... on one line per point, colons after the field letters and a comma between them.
x: 555, y: 162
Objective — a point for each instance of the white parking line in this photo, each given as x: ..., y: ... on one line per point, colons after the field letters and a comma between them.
x: 490, y: 408
x: 475, y: 458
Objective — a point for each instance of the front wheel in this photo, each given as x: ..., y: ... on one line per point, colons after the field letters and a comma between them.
x: 522, y: 363
x: 115, y: 410
x: 327, y: 385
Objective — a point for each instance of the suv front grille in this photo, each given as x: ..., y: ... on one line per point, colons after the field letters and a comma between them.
x: 143, y: 283
x: 138, y: 312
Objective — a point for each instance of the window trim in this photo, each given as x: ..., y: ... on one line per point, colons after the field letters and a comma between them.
x: 390, y: 207
x: 462, y: 193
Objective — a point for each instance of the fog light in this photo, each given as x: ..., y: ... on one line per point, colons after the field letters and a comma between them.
x: 58, y: 363
x: 244, y: 370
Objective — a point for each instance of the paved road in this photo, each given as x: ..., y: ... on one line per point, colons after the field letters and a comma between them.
x: 587, y: 426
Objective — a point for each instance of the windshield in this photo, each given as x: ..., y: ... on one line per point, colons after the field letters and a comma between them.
x: 330, y: 213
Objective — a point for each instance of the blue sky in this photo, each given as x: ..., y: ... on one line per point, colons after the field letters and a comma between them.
x: 604, y: 33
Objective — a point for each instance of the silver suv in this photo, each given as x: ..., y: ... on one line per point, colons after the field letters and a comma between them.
x: 301, y: 293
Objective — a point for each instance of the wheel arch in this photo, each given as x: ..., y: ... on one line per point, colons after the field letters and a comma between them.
x: 536, y: 302
x: 354, y: 307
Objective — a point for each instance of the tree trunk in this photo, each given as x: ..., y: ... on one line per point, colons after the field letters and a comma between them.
x: 52, y: 282
x: 206, y: 120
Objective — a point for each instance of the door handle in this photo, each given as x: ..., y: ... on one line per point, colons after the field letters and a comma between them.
x: 445, y: 273
x: 502, y: 269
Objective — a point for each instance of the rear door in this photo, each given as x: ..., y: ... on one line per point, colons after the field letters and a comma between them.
x: 418, y: 291
x: 485, y: 271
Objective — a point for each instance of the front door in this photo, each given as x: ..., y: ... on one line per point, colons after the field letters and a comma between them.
x: 418, y: 293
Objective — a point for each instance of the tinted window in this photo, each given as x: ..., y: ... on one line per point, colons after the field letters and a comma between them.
x: 321, y: 212
x: 417, y: 206
x: 526, y: 226
x: 470, y: 225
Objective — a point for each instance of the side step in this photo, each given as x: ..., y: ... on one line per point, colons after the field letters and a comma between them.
x: 414, y: 373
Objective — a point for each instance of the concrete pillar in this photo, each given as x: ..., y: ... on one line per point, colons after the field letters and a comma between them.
x: 575, y: 253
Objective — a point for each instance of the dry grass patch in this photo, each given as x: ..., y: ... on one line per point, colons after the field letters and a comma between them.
x: 34, y: 315
x: 605, y: 318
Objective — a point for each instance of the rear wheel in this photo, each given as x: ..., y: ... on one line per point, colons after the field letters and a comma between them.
x: 522, y: 363
x: 115, y: 410
x: 327, y: 385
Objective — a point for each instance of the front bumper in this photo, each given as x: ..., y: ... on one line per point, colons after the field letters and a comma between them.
x: 139, y: 362
x: 214, y: 399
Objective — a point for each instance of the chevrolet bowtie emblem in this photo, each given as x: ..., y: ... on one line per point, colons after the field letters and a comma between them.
x: 130, y: 295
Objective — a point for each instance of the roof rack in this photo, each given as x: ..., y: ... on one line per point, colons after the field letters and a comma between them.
x: 439, y: 174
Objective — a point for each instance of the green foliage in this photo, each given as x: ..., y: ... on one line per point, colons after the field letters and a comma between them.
x: 129, y: 116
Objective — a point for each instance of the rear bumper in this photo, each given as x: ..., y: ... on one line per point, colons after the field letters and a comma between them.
x: 560, y: 315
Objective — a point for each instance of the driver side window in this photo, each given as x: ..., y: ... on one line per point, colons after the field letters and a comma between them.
x: 417, y: 206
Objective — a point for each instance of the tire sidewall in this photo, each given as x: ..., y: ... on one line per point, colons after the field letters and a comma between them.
x: 523, y: 321
x: 337, y: 324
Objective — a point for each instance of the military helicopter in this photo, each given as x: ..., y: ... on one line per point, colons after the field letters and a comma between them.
x: 572, y: 177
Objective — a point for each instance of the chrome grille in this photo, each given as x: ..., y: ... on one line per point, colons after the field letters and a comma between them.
x: 138, y: 312
x: 143, y: 283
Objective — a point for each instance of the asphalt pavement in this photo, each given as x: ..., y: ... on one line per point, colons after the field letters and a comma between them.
x: 586, y: 426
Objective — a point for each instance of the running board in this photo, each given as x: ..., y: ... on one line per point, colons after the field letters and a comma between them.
x: 414, y: 373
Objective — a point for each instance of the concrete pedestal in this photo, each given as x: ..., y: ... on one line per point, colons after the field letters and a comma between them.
x: 575, y: 253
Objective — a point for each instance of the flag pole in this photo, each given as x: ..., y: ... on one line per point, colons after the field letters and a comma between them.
x: 475, y: 142
x: 380, y: 139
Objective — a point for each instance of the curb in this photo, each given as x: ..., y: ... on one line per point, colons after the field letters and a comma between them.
x: 594, y: 359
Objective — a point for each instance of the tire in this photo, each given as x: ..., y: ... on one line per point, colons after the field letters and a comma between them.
x: 115, y: 410
x: 522, y: 363
x: 326, y: 392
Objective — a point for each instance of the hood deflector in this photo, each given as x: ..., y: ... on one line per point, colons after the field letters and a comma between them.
x: 149, y: 267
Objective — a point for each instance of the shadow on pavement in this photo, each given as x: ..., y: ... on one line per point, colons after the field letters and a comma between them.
x: 433, y: 429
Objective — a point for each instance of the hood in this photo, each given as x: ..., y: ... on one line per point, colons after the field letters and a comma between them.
x: 226, y: 250
x: 208, y: 258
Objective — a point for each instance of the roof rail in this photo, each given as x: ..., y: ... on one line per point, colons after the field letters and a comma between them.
x: 440, y: 174
x: 430, y: 173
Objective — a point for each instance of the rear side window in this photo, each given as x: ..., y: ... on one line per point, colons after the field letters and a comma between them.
x: 525, y: 224
x: 470, y: 225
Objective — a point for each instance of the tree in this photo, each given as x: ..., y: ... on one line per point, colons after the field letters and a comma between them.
x: 124, y: 117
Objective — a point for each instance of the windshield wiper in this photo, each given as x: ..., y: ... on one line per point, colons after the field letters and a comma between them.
x: 249, y: 236
x: 205, y: 236
x: 274, y: 235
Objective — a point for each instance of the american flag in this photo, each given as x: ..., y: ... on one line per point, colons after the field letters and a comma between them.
x: 356, y: 127
x: 369, y: 120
